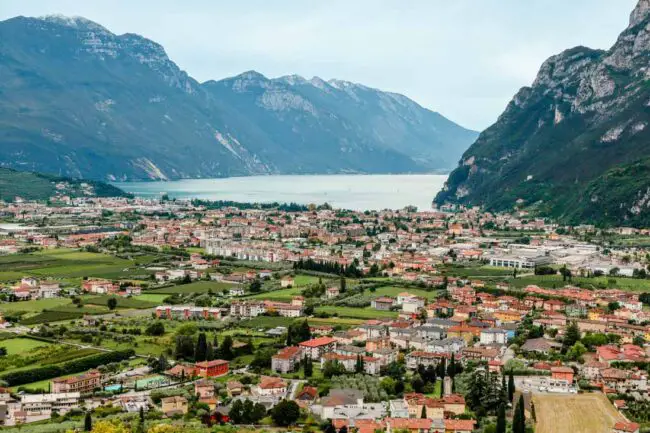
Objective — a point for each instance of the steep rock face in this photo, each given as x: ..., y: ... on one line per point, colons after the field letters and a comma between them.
x: 586, y: 112
x: 78, y: 100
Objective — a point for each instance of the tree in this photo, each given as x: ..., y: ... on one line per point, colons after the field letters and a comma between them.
x: 424, y: 411
x: 257, y: 413
x: 519, y: 418
x: 511, y: 387
x: 342, y: 284
x: 417, y: 383
x: 225, y: 350
x: 359, y: 367
x: 308, y: 367
x: 88, y: 422
x: 236, y: 412
x: 111, y: 303
x: 201, y: 349
x: 333, y: 368
x: 155, y: 329
x: 285, y: 413
x: 571, y: 337
x: 329, y: 427
x: 343, y: 429
x: 501, y: 419
x: 256, y: 285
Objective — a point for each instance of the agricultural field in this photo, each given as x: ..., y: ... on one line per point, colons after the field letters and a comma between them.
x: 121, y: 302
x: 555, y: 281
x: 358, y: 313
x: 35, y: 306
x: 151, y: 297
x: 574, y: 413
x: 394, y: 291
x: 16, y: 346
x: 277, y: 295
x: 62, y: 263
x: 197, y: 287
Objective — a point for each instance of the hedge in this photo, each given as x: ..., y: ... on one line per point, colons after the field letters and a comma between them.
x: 48, y: 372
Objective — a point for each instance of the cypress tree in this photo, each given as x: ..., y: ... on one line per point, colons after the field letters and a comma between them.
x: 501, y: 419
x: 201, y: 349
x: 424, y: 411
x: 88, y: 422
x: 519, y: 418
x: 511, y: 387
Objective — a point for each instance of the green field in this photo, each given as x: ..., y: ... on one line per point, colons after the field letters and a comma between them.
x: 394, y: 291
x: 69, y: 263
x: 51, y: 316
x: 35, y: 306
x: 151, y: 297
x: 277, y: 295
x: 121, y: 302
x: 21, y: 345
x: 358, y: 313
x: 550, y: 281
x: 197, y: 287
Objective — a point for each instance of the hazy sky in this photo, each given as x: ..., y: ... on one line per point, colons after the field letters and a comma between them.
x: 463, y: 58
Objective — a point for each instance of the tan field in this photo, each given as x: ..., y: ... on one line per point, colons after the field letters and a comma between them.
x: 574, y: 413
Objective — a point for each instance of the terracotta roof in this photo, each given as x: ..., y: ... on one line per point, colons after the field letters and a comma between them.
x: 317, y: 342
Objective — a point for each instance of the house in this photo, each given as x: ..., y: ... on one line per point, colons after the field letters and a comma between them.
x: 48, y: 289
x: 287, y: 359
x: 271, y: 386
x: 172, y: 406
x: 332, y: 292
x: 316, y: 347
x: 493, y: 336
x: 101, y: 287
x: 307, y: 395
x: 626, y: 427
x: 383, y: 303
x: 247, y: 309
x: 214, y: 368
x: 286, y: 281
x: 236, y: 291
x: 539, y: 345
x: 234, y: 388
x: 562, y: 373
x: 204, y: 388
x: 416, y: 358
x: 83, y: 383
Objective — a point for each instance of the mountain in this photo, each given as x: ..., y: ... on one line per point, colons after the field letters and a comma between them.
x: 574, y: 145
x: 36, y: 186
x: 78, y: 100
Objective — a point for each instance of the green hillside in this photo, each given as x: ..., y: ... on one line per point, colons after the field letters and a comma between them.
x: 35, y: 186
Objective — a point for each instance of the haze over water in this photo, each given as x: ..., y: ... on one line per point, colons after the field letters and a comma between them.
x: 358, y: 192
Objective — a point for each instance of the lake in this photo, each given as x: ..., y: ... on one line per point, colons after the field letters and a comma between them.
x: 357, y: 192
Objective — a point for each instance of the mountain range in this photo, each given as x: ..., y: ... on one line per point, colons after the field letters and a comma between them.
x: 77, y: 100
x: 575, y: 145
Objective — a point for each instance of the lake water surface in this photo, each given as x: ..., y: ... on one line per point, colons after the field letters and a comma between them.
x: 358, y: 192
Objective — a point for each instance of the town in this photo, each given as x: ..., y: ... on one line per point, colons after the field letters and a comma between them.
x: 169, y: 315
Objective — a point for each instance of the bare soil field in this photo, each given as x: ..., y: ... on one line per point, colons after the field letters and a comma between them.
x: 574, y: 413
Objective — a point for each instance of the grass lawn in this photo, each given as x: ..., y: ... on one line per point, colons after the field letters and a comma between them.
x: 277, y: 295
x: 334, y: 321
x: 360, y: 313
x: 265, y: 322
x: 197, y: 287
x: 304, y: 280
x: 394, y: 291
x: 121, y: 302
x: 21, y: 345
x: 35, y: 306
x: 151, y: 297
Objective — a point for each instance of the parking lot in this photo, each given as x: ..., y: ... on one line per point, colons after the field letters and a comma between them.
x: 544, y: 384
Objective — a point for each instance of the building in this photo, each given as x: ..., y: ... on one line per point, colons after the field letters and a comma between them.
x: 520, y: 262
x: 36, y: 404
x: 204, y: 388
x: 332, y: 292
x: 247, y: 309
x: 286, y: 282
x: 562, y: 373
x: 83, y: 383
x: 626, y: 427
x: 316, y: 347
x: 383, y: 303
x: 494, y: 336
x: 217, y: 367
x: 174, y: 405
x: 271, y: 386
x: 287, y: 359
x: 187, y: 312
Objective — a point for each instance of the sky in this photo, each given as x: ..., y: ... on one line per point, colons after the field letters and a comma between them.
x: 462, y: 58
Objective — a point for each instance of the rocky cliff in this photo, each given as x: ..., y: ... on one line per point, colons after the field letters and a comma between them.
x: 567, y: 145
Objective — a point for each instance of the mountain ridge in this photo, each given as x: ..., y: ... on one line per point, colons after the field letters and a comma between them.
x: 81, y: 101
x: 583, y: 120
